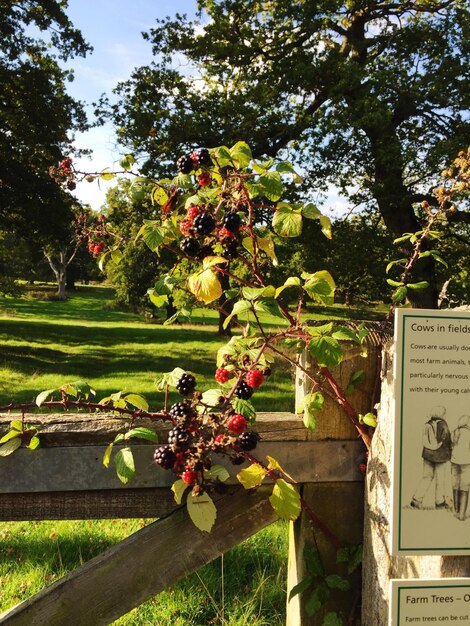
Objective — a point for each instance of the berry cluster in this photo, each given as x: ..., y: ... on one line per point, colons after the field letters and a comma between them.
x: 194, y: 161
x: 63, y: 174
x: 96, y: 248
x: 197, y: 434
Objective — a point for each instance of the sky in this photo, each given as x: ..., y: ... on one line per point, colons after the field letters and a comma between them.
x: 113, y: 28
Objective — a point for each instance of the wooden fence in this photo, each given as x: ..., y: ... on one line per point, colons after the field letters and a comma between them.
x: 65, y: 479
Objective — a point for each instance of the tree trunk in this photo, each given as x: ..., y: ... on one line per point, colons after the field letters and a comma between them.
x: 396, y: 207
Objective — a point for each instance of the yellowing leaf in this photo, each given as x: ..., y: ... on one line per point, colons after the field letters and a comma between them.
x: 10, y: 446
x: 202, y: 511
x: 325, y: 223
x: 178, y: 488
x: 159, y: 195
x: 210, y: 261
x: 274, y: 465
x: 205, y: 286
x: 285, y: 500
x: 252, y: 476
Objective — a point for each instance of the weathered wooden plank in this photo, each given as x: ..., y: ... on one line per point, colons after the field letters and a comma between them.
x: 116, y: 581
x: 81, y: 468
x: 109, y: 504
x: 81, y: 429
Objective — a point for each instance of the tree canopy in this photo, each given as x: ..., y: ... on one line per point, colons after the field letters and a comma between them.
x: 37, y: 116
x: 370, y: 96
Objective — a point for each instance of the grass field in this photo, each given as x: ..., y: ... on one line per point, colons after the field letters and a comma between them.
x: 45, y: 343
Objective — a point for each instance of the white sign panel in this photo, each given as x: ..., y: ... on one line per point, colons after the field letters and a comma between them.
x: 441, y: 601
x: 431, y: 474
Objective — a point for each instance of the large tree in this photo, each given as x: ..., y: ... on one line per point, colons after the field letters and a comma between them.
x: 37, y: 116
x: 366, y: 94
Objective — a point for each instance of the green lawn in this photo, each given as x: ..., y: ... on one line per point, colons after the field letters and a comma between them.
x: 45, y: 343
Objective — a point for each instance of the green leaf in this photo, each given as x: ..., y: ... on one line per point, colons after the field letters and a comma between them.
x: 223, y: 156
x: 397, y: 262
x: 245, y: 408
x: 394, y: 283
x: 317, y: 600
x: 253, y: 293
x: 158, y: 301
x: 311, y: 404
x: 212, y: 397
x: 107, y: 454
x: 42, y: 397
x: 17, y: 425
x: 292, y: 281
x: 79, y: 388
x: 345, y: 334
x: 421, y: 285
x: 286, y: 222
x: 369, y: 419
x: 351, y: 554
x: 34, y: 443
x: 268, y: 305
x: 285, y: 500
x: 142, y: 433
x: 311, y: 212
x: 271, y: 185
x: 216, y: 472
x: 153, y: 234
x: 301, y: 587
x: 169, y: 378
x: 241, y: 306
x: 320, y: 286
x: 178, y: 488
x: 138, y: 401
x: 116, y: 256
x: 252, y: 476
x: 337, y: 582
x: 320, y: 330
x: 241, y: 154
x: 313, y: 560
x: 326, y: 350
x: 11, y: 434
x: 332, y: 619
x: 358, y: 377
x: 124, y: 462
x: 106, y: 174
x: 202, y: 511
x: 10, y: 446
x: 399, y: 295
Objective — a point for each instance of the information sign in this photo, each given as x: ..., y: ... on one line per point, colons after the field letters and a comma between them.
x: 431, y: 473
x: 441, y: 601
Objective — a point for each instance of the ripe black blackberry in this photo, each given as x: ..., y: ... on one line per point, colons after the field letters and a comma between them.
x: 203, y: 157
x: 204, y: 223
x: 190, y: 246
x: 165, y: 457
x: 248, y: 440
x: 232, y: 221
x: 230, y: 250
x: 181, y: 411
x: 186, y: 384
x: 179, y: 437
x: 185, y: 164
x: 243, y: 391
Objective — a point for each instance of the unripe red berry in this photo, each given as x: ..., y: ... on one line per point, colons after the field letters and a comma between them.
x: 225, y: 233
x: 185, y: 227
x: 236, y: 424
x: 204, y: 179
x: 255, y: 378
x: 189, y: 476
x: 192, y: 212
x: 222, y: 375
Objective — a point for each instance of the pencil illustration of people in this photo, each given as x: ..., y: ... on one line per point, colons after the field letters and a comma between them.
x: 460, y: 466
x: 437, y: 451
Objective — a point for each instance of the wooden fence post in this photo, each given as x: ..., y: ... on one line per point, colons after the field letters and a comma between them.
x: 340, y: 505
x: 378, y: 564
